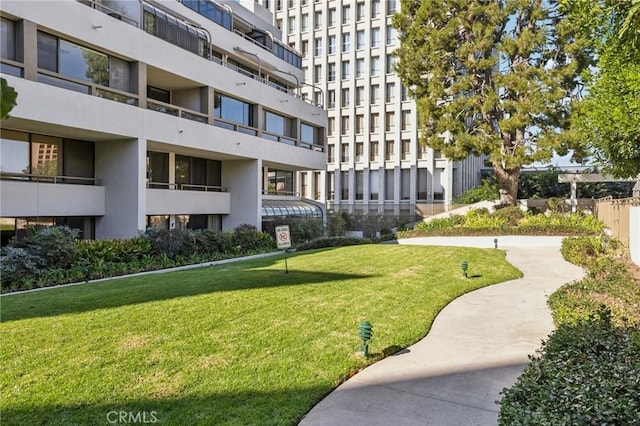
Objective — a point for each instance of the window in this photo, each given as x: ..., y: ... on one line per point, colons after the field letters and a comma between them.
x: 331, y: 99
x: 7, y: 39
x: 346, y: 99
x: 30, y: 153
x: 158, y: 94
x: 317, y: 20
x: 359, y: 152
x: 317, y: 73
x: 291, y: 4
x: 406, y: 149
x: 423, y: 176
x: 405, y: 120
x: 346, y: 42
x: 359, y: 67
x: 331, y: 185
x: 374, y: 123
x: 234, y: 110
x: 291, y: 22
x: 374, y: 184
x: 316, y: 185
x: 359, y: 124
x: 279, y: 24
x: 359, y: 96
x: 375, y: 94
x: 375, y: 37
x: 192, y: 172
x: 280, y: 181
x: 344, y: 179
x: 344, y: 125
x: 374, y: 154
x: 346, y: 70
x: 331, y: 72
x: 390, y: 95
x: 331, y: 44
x: 278, y: 5
x: 388, y: 184
x: 391, y: 7
x: 304, y: 47
x: 388, y: 147
x: 304, y: 23
x: 317, y: 47
x: 403, y: 94
x: 346, y: 11
x: 177, y: 32
x: 375, y: 8
x: 360, y: 12
x: 389, y: 124
x: 360, y: 40
x: 278, y: 124
x: 331, y: 17
x: 309, y: 134
x: 424, y: 151
x: 344, y: 153
x: 331, y: 126
x: 331, y: 153
x: 405, y: 184
x: 390, y: 61
x: 359, y: 185
x: 391, y: 35
x: 375, y: 65
x: 304, y: 185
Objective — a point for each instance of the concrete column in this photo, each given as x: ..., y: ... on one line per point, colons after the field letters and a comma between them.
x: 139, y: 82
x: 243, y: 179
x: 27, y: 40
x: 121, y: 166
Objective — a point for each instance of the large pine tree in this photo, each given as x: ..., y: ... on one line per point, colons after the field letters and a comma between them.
x: 495, y: 77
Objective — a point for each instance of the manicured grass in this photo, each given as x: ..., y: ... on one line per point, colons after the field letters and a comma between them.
x: 240, y: 343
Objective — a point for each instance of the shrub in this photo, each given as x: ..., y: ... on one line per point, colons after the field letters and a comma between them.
x: 55, y: 244
x: 246, y: 237
x: 480, y: 219
x: 557, y: 205
x: 124, y: 250
x: 331, y: 242
x: 438, y: 223
x: 337, y: 223
x: 585, y: 374
x: 510, y: 215
x: 488, y: 191
x: 19, y: 267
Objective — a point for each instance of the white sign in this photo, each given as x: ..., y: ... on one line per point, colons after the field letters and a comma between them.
x: 283, y: 239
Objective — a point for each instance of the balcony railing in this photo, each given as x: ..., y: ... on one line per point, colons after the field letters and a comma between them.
x: 185, y: 187
x: 88, y: 88
x: 31, y: 177
x: 176, y: 111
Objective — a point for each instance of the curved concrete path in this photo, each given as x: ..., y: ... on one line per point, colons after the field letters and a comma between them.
x: 477, y: 346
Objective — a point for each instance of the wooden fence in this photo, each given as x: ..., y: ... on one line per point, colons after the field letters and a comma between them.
x: 616, y: 215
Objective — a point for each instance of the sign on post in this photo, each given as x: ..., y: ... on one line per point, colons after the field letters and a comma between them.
x: 283, y: 238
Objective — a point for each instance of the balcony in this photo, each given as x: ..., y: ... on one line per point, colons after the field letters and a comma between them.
x: 25, y: 195
x: 171, y: 198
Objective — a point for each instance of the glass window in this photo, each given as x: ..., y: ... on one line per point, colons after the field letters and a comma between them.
x: 375, y: 65
x: 317, y: 20
x: 375, y: 93
x: 390, y: 61
x: 280, y: 181
x: 331, y: 44
x: 359, y: 96
x: 234, y: 110
x: 391, y: 6
x: 359, y: 124
x: 360, y: 12
x: 344, y: 180
x: 405, y: 187
x: 391, y: 92
x: 406, y: 149
x: 346, y: 99
x: 388, y: 184
x: 331, y: 126
x: 359, y: 67
x: 359, y: 151
x: 47, y: 52
x: 374, y: 184
x: 391, y: 35
x: 405, y: 120
x: 331, y: 18
x: 375, y: 37
x: 331, y: 72
x: 45, y: 153
x: 277, y: 124
x: 331, y: 99
x: 331, y: 153
x: 375, y: 8
x: 291, y: 23
x: 119, y: 74
x: 304, y: 47
x: 317, y: 48
x: 78, y: 159
x: 389, y: 150
x: 389, y: 121
x: 359, y: 185
x: 7, y: 39
x: 14, y: 147
x: 182, y: 170
x: 157, y: 168
x: 346, y: 70
x: 374, y: 124
x: 346, y: 11
x: 346, y: 42
x: 344, y: 124
x: 344, y: 156
x: 308, y: 134
x: 317, y: 73
x: 360, y: 40
x: 423, y: 176
x: 374, y: 153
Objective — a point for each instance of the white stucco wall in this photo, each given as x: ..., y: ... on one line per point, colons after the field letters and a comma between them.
x: 243, y: 180
x: 634, y: 234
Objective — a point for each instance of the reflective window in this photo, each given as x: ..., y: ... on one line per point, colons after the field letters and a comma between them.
x: 277, y: 124
x: 7, y: 39
x: 234, y: 110
x: 14, y: 147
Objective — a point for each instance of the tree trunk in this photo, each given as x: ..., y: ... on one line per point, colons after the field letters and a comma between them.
x: 507, y: 184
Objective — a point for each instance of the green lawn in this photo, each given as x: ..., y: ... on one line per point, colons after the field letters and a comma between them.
x: 241, y: 343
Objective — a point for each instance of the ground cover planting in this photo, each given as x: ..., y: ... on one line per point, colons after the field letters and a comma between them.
x: 241, y: 343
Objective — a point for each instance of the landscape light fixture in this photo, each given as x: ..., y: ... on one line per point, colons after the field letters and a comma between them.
x: 464, y: 265
x: 365, y: 334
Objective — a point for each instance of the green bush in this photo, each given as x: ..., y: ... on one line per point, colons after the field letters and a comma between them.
x: 585, y: 374
x: 332, y: 242
x: 438, y: 223
x: 480, y: 219
x: 488, y: 191
x: 116, y: 249
x: 511, y: 215
x: 55, y: 244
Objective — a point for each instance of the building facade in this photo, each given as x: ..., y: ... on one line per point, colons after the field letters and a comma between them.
x: 375, y: 163
x: 172, y: 114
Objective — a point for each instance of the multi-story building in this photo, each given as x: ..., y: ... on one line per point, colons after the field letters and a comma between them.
x: 136, y: 113
x: 374, y: 160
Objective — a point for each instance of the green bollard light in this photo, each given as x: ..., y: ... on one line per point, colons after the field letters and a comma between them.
x: 464, y: 265
x: 365, y: 334
x: 495, y: 243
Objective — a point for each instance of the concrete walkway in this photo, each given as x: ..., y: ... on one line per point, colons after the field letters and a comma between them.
x: 477, y: 346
